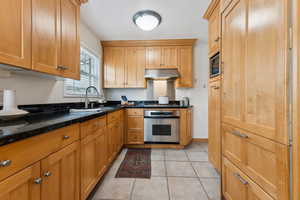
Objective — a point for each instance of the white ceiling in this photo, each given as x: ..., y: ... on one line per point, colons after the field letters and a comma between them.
x: 112, y: 19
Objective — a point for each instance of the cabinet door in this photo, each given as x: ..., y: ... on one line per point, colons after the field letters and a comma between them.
x: 265, y: 161
x: 114, y: 67
x: 153, y: 57
x: 185, y: 126
x: 185, y: 67
x: 22, y: 185
x: 266, y: 73
x: 233, y: 59
x: 214, y: 31
x: 15, y: 33
x: 69, y: 54
x: 111, y: 141
x: 135, y: 67
x: 88, y: 165
x: 236, y: 185
x: 101, y: 152
x: 169, y: 57
x: 214, y: 124
x: 60, y: 172
x: 45, y: 35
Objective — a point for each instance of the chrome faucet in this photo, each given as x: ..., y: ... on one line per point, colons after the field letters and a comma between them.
x: 87, y: 101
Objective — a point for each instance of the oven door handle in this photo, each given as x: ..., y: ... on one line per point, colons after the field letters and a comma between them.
x: 161, y: 117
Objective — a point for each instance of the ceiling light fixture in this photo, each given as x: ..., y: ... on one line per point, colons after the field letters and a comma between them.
x: 147, y: 20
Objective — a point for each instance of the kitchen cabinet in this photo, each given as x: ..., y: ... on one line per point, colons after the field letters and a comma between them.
x: 135, y: 67
x: 15, y: 33
x: 214, y: 125
x: 185, y: 67
x: 186, y: 126
x: 60, y: 173
x: 236, y: 185
x: 153, y: 57
x: 114, y: 67
x: 169, y: 57
x: 135, y: 126
x: 24, y: 184
x: 101, y: 152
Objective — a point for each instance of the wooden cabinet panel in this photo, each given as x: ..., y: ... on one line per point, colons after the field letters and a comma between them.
x: 266, y: 78
x: 21, y: 185
x: 185, y: 67
x: 60, y: 172
x: 265, y: 161
x: 236, y: 185
x: 89, y: 127
x: 153, y: 57
x: 214, y: 31
x: 135, y: 122
x: 45, y: 35
x: 135, y: 126
x: 88, y: 165
x: 214, y: 125
x: 233, y: 54
x: 135, y: 136
x: 101, y: 152
x: 185, y: 126
x: 135, y: 112
x: 114, y: 116
x: 15, y: 33
x: 114, y: 67
x: 69, y: 38
x: 135, y: 67
x: 169, y: 57
x: 111, y: 131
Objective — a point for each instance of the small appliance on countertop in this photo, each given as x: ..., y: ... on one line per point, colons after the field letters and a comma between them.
x: 163, y: 100
x: 185, y: 102
x: 10, y: 109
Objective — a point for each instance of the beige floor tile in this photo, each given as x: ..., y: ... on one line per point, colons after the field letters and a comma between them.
x: 197, y: 146
x: 183, y: 169
x: 157, y: 154
x: 176, y: 155
x: 120, y: 188
x: 186, y: 189
x: 158, y: 168
x: 151, y: 189
x: 197, y: 156
x: 212, y: 187
x: 205, y: 170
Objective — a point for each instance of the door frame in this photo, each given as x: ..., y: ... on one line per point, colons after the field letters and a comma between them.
x: 296, y: 99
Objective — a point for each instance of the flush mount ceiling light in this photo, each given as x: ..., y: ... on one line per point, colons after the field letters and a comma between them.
x: 147, y: 20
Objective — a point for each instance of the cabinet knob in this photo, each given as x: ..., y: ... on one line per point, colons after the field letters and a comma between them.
x: 66, y: 137
x: 5, y: 163
x: 47, y: 174
x: 60, y: 67
x: 242, y: 135
x: 38, y: 181
x: 217, y: 39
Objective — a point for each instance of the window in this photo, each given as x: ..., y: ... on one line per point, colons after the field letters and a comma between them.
x: 89, y: 76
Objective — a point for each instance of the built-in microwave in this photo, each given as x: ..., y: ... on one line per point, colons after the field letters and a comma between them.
x: 214, y: 65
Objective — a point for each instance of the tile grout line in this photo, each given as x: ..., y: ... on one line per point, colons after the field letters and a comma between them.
x: 167, y: 178
x: 132, y: 189
x: 208, y: 198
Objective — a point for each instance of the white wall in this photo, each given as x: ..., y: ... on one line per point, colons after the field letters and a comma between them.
x: 32, y: 88
x: 198, y: 95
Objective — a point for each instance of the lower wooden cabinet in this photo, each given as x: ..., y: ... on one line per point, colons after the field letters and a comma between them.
x: 24, y: 184
x: 135, y: 126
x: 185, y: 126
x: 237, y: 186
x: 214, y: 125
x: 101, y: 152
x: 60, y: 174
x: 264, y: 160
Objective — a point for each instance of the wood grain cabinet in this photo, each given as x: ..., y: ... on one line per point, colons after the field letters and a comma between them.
x: 15, y: 33
x: 214, y: 125
x: 185, y: 67
x: 186, y: 124
x: 135, y: 126
x: 153, y: 57
x: 169, y: 57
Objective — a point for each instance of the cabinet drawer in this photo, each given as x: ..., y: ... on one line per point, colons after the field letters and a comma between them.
x: 113, y: 116
x: 102, y: 122
x: 135, y: 112
x: 135, y: 122
x: 264, y: 161
x: 88, y: 127
x: 237, y: 186
x: 26, y: 152
x: 135, y: 136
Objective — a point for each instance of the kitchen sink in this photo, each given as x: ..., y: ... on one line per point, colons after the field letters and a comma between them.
x: 87, y: 110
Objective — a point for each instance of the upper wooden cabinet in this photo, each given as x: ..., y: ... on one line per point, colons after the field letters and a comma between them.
x: 213, y: 16
x: 149, y: 54
x: 255, y: 86
x: 41, y: 35
x: 15, y: 33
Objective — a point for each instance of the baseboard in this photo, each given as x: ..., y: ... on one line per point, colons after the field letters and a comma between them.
x: 203, y: 140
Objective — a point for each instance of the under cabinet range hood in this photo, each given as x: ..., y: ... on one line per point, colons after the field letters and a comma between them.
x: 161, y: 74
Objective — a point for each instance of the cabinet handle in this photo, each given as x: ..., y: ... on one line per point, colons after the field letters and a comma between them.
x: 217, y: 39
x: 47, y: 174
x: 38, y: 181
x: 243, y: 181
x: 5, y: 163
x: 66, y: 137
x: 60, y: 67
x: 216, y: 87
x: 242, y: 135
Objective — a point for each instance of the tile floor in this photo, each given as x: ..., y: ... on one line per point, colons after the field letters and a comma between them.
x: 176, y: 175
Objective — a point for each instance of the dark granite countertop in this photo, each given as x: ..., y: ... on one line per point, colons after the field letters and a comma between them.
x: 48, y: 117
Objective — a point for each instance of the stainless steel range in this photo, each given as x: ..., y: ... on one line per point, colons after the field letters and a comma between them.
x: 161, y: 126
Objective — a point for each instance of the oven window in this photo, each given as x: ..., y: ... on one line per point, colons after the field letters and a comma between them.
x: 161, y: 130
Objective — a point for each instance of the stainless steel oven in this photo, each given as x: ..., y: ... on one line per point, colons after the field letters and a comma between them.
x: 161, y: 126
